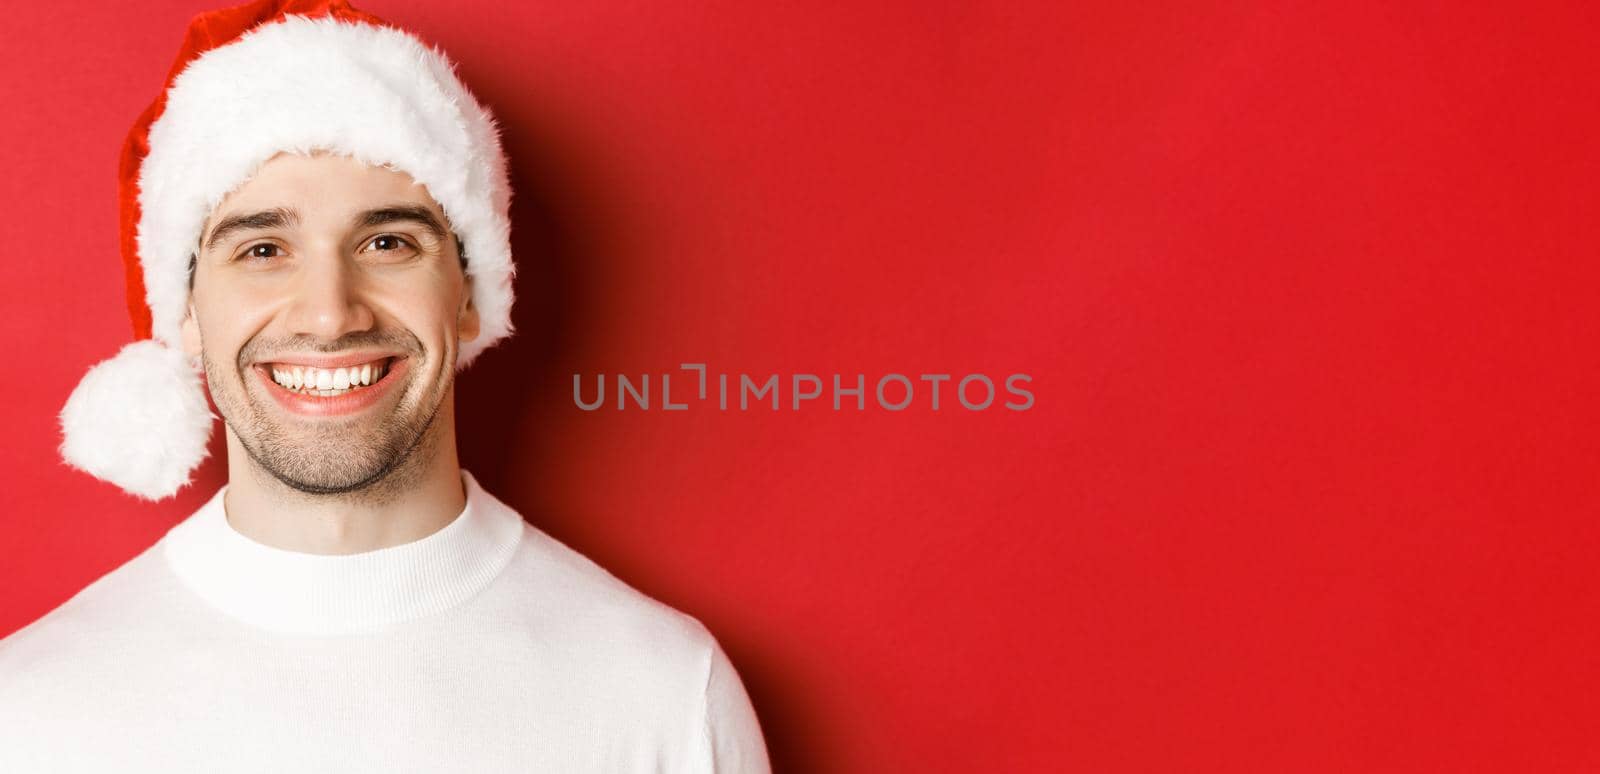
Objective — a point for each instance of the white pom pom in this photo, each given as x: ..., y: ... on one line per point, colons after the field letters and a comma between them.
x: 139, y: 420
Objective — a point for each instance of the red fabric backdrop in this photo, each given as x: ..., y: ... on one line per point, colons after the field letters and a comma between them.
x: 1307, y: 297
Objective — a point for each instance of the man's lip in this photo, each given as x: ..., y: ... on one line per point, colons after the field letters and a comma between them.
x: 318, y: 360
x: 351, y: 402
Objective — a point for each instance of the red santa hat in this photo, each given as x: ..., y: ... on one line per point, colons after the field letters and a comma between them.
x: 249, y: 82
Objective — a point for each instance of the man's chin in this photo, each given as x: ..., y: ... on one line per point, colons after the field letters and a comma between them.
x: 333, y: 466
x: 333, y: 454
x: 332, y: 485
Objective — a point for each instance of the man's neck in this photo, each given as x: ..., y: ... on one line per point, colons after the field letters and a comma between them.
x: 426, y: 499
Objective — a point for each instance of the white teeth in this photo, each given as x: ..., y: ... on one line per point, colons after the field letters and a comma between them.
x: 326, y: 382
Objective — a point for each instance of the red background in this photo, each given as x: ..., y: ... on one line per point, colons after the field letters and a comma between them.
x: 1307, y: 297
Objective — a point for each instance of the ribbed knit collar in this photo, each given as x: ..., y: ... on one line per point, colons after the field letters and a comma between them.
x: 298, y: 593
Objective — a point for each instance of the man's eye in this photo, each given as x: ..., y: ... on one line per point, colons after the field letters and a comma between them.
x: 260, y: 252
x: 388, y: 243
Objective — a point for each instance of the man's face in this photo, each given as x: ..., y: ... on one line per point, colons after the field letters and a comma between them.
x: 328, y: 304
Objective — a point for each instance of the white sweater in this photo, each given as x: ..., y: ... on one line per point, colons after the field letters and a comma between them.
x: 487, y: 646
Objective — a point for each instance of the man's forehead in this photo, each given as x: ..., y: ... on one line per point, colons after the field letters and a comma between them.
x: 321, y: 187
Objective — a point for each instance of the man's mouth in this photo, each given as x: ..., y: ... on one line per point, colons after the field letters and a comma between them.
x: 333, y: 387
x: 328, y: 382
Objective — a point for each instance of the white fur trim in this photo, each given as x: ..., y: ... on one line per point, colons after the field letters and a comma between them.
x: 138, y: 420
x: 376, y: 94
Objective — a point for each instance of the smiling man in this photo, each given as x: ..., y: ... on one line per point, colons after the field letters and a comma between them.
x: 315, y: 218
x: 329, y: 303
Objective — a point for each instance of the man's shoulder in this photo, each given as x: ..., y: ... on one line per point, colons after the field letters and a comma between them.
x: 80, y: 631
x: 566, y: 595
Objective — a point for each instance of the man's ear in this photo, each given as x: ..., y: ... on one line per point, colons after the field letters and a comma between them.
x: 190, y: 333
x: 467, y: 322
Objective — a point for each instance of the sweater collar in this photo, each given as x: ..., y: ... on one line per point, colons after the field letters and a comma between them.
x: 299, y: 593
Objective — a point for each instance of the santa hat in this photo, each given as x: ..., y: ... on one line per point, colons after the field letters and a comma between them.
x: 252, y: 81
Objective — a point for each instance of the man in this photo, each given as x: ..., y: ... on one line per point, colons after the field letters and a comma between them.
x: 320, y: 212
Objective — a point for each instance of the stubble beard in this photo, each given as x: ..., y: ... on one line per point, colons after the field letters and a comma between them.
x: 372, y: 459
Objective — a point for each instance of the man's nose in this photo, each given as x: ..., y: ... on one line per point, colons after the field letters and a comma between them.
x: 329, y: 299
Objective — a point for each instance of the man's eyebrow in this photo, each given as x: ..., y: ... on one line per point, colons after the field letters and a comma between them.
x: 277, y: 217
x: 396, y: 213
x: 280, y: 217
